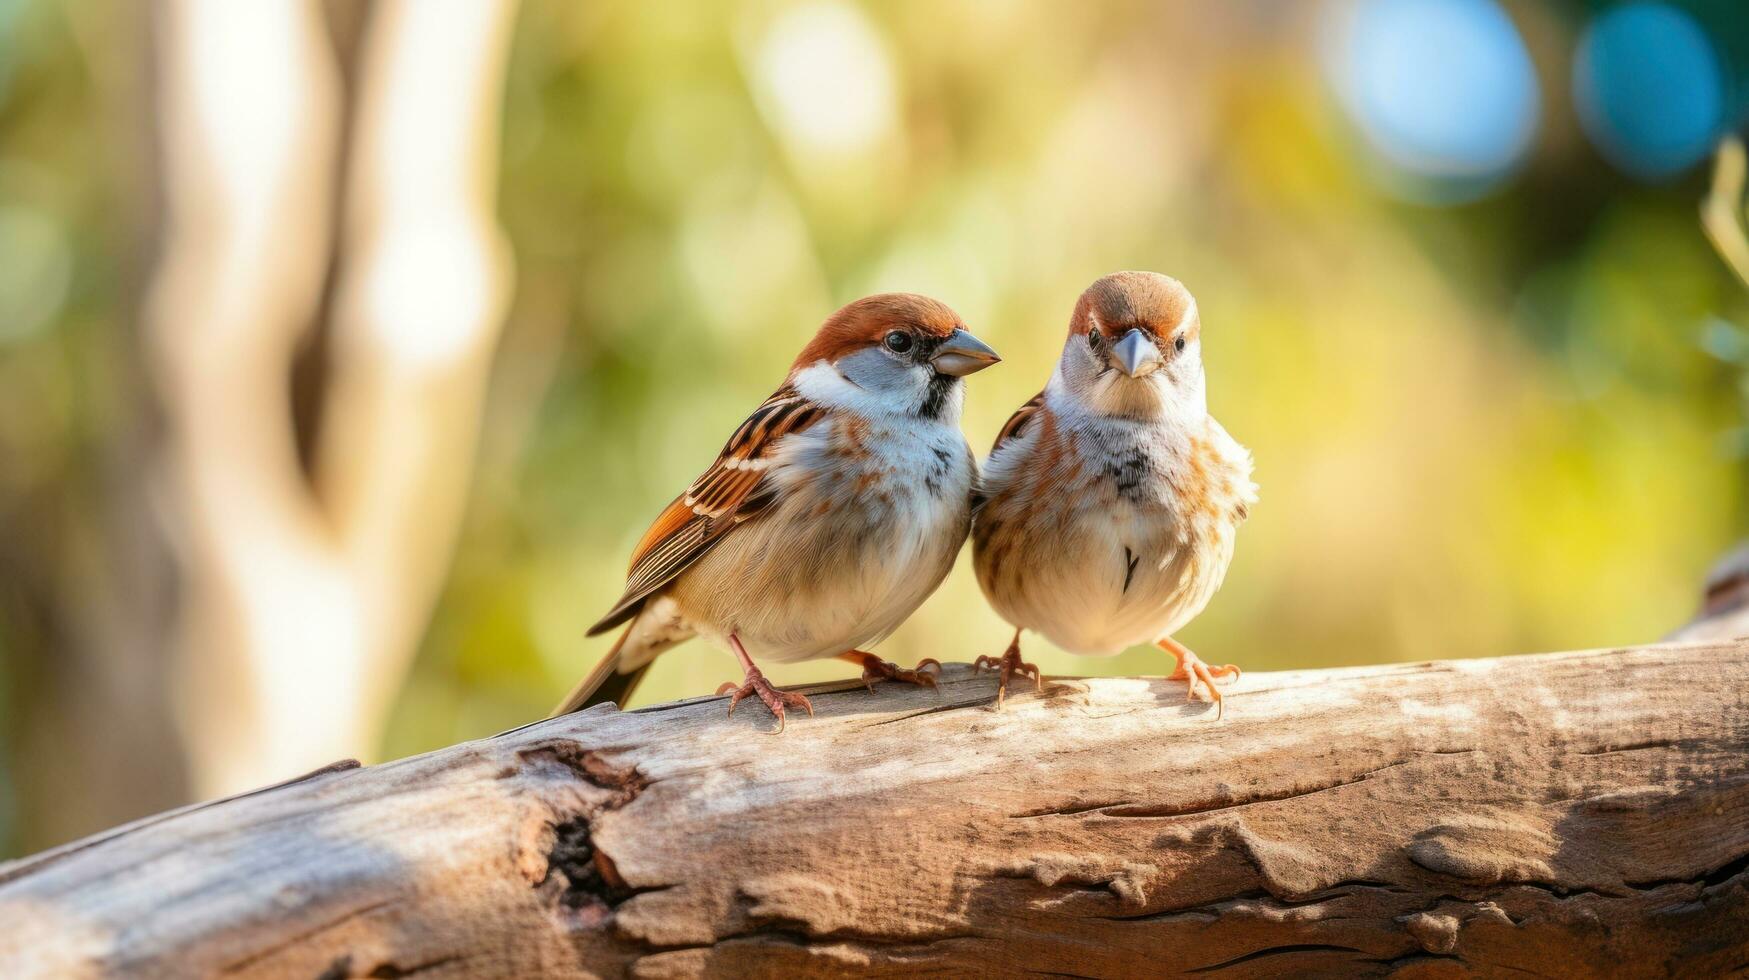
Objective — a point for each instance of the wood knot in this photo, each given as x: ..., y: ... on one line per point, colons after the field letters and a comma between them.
x: 1485, y: 850
x: 1437, y: 932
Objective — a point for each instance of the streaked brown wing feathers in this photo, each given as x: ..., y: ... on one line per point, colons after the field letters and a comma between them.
x: 1019, y: 420
x: 730, y: 493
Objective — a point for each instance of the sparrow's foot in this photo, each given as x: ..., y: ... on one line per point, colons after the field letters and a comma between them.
x: 756, y: 683
x: 1199, y: 675
x: 1008, y: 665
x: 774, y: 699
x: 876, y: 669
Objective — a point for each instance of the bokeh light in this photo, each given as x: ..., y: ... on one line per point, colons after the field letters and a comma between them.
x: 1442, y: 90
x: 824, y: 79
x: 1649, y: 89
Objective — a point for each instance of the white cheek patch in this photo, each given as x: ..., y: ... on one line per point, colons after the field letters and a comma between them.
x: 873, y: 369
x: 869, y: 382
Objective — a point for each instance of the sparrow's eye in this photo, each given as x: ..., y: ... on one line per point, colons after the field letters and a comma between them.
x: 1093, y: 338
x: 1178, y: 344
x: 899, y: 341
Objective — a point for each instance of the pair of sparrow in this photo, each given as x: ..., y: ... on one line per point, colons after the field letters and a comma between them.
x: 1104, y: 518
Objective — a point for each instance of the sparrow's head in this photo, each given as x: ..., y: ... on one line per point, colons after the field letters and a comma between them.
x: 899, y: 352
x: 1135, y: 347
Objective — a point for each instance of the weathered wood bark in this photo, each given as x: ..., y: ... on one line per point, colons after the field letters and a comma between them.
x: 1563, y: 815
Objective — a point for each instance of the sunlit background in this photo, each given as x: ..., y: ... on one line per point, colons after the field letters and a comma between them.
x: 346, y: 349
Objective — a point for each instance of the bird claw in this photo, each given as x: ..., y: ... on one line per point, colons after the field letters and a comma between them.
x: 874, y: 669
x: 1008, y: 665
x: 773, y: 698
x: 1200, y: 675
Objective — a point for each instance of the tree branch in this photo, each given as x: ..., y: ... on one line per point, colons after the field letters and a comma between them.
x: 1565, y: 814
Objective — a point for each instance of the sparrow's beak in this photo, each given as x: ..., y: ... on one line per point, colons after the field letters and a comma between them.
x: 1136, y: 355
x: 961, y: 354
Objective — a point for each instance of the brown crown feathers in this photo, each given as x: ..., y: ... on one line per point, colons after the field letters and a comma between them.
x: 868, y: 320
x: 1148, y: 301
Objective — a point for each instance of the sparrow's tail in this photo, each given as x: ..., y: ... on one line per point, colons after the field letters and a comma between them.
x: 606, y: 682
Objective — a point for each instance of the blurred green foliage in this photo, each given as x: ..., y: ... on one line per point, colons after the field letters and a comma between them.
x: 71, y: 200
x: 1479, y: 430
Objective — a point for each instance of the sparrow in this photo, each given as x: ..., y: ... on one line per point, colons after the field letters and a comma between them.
x: 831, y: 513
x: 1108, y: 506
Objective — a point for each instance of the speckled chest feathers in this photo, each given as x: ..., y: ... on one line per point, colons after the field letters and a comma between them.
x: 1102, y: 532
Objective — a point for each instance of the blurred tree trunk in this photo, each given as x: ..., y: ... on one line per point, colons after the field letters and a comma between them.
x: 306, y: 577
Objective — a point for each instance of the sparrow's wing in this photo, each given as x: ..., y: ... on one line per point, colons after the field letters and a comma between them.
x: 733, y: 491
x: 1017, y: 422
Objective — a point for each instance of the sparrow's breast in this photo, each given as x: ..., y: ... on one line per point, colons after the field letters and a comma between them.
x: 1104, y: 539
x: 870, y: 520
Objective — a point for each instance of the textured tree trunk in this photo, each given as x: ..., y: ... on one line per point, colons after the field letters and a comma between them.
x: 1562, y: 815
